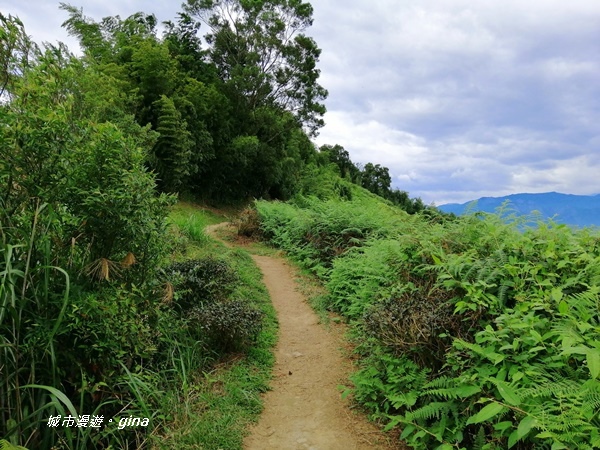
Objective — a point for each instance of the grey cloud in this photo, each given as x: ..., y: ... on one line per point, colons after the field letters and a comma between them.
x: 502, y: 96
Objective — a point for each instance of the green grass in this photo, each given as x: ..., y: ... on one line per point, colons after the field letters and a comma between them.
x: 214, y: 408
x: 191, y: 221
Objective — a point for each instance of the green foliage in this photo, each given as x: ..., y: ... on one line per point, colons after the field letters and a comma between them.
x: 317, y: 232
x: 159, y: 93
x: 339, y: 156
x: 223, y: 133
x: 17, y: 52
x: 376, y: 179
x: 200, y: 282
x: 323, y: 182
x: 93, y: 173
x: 114, y: 198
x: 110, y: 327
x: 354, y: 285
x: 173, y: 149
x: 5, y: 445
x: 262, y: 55
x: 33, y: 299
x: 82, y: 230
x: 475, y: 332
x: 202, y: 291
x: 229, y: 326
x: 190, y: 223
x: 86, y: 324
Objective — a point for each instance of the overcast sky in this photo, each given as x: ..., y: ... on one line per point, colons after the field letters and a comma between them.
x: 459, y: 98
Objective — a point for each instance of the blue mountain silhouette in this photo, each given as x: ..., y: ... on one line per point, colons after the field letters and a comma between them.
x: 576, y: 210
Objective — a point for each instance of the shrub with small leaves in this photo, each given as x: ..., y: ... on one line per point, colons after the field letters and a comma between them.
x: 420, y: 326
x: 230, y: 325
x: 201, y: 281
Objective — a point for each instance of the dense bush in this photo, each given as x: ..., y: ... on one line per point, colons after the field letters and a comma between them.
x: 202, y: 291
x: 316, y: 232
x: 248, y: 223
x: 230, y: 325
x: 110, y: 327
x: 476, y: 333
x: 199, y: 282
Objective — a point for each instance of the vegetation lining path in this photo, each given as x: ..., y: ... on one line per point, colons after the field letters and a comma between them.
x: 304, y: 409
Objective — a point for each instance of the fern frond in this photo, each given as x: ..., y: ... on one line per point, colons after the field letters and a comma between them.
x: 432, y: 410
x: 480, y: 440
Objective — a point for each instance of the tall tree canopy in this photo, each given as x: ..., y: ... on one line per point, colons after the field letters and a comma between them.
x: 232, y: 118
x: 376, y: 179
x: 339, y: 156
x: 263, y: 56
x: 161, y: 79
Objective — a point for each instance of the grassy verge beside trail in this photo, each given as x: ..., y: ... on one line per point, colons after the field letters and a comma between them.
x: 214, y: 407
x: 190, y: 221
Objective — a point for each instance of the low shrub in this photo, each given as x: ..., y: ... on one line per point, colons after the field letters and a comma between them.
x: 110, y: 327
x: 200, y: 282
x: 228, y: 326
x: 419, y: 327
x: 248, y: 223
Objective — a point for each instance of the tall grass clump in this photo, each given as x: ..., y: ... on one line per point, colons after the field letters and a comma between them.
x: 475, y: 333
x: 27, y: 301
x: 191, y: 221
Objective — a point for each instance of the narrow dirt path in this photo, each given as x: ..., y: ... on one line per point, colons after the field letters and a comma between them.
x: 304, y: 409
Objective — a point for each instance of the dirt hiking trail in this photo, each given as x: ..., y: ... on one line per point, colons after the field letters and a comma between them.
x: 304, y: 408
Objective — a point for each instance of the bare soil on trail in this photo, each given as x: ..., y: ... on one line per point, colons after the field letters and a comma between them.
x: 304, y: 408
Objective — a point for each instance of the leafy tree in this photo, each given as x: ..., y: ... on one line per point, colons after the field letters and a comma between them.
x: 159, y: 90
x: 17, y: 51
x: 185, y: 45
x: 90, y: 169
x: 173, y: 148
x: 376, y: 179
x: 230, y: 126
x: 206, y: 111
x: 270, y: 88
x: 340, y: 157
x: 262, y: 55
x: 402, y: 199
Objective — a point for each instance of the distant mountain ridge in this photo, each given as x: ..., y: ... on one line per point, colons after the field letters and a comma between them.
x: 577, y: 210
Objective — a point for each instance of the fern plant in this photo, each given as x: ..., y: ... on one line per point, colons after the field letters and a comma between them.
x: 477, y: 333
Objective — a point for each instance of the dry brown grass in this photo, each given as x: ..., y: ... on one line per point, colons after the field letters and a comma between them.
x: 128, y: 261
x: 102, y: 269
